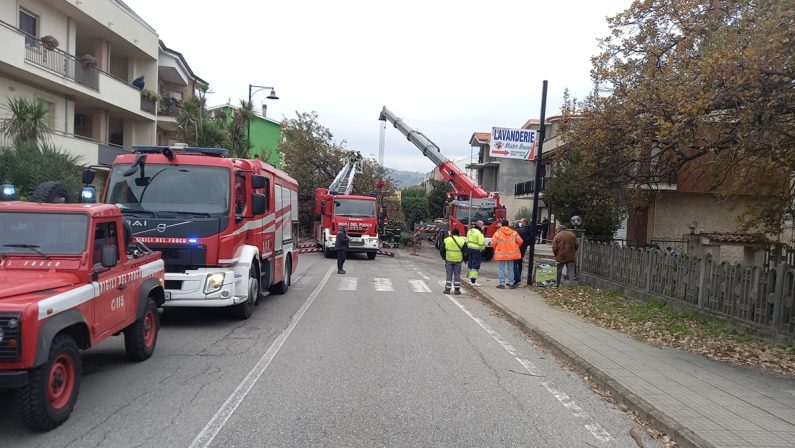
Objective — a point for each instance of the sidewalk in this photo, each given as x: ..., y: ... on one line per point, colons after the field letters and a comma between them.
x: 696, y: 401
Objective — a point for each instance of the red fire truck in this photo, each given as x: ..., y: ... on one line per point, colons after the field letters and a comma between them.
x: 71, y: 278
x: 227, y: 227
x: 470, y: 202
x: 336, y: 206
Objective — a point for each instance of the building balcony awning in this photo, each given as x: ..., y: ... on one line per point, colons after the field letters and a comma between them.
x: 480, y: 166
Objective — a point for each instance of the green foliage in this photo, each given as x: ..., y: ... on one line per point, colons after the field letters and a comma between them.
x: 414, y: 204
x: 437, y: 198
x: 523, y: 212
x: 27, y: 165
x: 28, y: 121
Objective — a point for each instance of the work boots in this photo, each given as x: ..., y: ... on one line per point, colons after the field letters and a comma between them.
x: 340, y: 271
x: 457, y: 292
x: 447, y: 290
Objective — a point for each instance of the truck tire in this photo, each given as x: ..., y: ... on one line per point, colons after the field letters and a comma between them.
x: 51, y: 192
x: 371, y: 255
x: 284, y: 285
x: 488, y: 254
x: 140, y: 337
x: 244, y: 310
x: 328, y: 253
x: 50, y: 395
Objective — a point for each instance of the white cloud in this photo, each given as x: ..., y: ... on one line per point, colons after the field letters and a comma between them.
x: 449, y: 68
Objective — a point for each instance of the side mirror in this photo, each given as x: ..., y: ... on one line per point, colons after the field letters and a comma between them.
x: 259, y: 204
x: 258, y: 182
x: 110, y: 255
x: 88, y: 176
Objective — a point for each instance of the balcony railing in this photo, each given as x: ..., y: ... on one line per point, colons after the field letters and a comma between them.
x: 528, y: 187
x: 169, y: 107
x: 62, y: 63
x: 147, y: 105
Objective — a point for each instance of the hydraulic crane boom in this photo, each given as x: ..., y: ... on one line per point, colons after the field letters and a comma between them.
x: 463, y: 185
x: 343, y: 183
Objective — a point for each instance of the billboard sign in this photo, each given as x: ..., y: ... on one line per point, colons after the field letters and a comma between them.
x: 513, y: 143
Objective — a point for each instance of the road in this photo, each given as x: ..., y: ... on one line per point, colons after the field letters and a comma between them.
x: 376, y: 357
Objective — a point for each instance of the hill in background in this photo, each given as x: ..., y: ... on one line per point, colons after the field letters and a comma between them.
x: 405, y: 179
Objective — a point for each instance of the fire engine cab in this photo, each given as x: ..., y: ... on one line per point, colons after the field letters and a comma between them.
x: 227, y: 227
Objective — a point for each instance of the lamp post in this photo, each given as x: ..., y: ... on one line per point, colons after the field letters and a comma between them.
x: 252, y: 89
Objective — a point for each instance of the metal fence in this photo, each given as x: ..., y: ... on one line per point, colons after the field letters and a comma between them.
x: 62, y: 63
x: 763, y: 299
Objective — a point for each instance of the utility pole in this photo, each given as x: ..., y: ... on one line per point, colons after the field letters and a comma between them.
x: 537, y: 183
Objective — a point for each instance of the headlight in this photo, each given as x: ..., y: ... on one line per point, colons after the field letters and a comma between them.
x: 214, y: 282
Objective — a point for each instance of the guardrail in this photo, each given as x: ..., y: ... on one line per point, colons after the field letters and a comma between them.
x: 61, y: 62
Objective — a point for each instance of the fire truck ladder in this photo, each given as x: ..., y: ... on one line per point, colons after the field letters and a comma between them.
x: 343, y: 183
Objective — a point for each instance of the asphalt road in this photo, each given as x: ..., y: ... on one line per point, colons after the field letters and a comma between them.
x: 376, y: 357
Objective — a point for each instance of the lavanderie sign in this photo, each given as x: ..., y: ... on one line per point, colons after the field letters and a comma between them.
x: 513, y: 143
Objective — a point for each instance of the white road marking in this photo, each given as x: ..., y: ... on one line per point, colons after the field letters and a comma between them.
x: 348, y: 284
x: 594, y: 428
x: 383, y: 284
x: 423, y: 275
x: 217, y: 422
x: 419, y: 286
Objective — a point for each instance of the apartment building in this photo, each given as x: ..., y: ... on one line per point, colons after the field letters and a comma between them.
x: 176, y: 84
x: 87, y: 80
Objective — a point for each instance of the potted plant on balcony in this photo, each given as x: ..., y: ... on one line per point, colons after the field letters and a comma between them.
x: 88, y: 61
x: 150, y: 95
x: 49, y: 42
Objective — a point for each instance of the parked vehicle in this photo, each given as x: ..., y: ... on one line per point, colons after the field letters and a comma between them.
x: 227, y: 227
x: 336, y: 206
x: 71, y: 277
x: 470, y: 202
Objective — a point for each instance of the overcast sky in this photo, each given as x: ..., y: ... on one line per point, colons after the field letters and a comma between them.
x: 448, y: 68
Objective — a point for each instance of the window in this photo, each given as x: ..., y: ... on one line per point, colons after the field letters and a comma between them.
x: 240, y: 193
x: 50, y: 114
x: 28, y: 24
x: 104, y: 235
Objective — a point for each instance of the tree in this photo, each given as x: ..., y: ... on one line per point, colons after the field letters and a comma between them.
x: 414, y: 203
x: 28, y: 122
x: 523, y: 212
x: 239, y: 122
x: 698, y: 89
x: 437, y: 198
x: 27, y: 164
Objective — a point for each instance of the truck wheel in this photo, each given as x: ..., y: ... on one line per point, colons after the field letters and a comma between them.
x: 50, y: 395
x: 51, y: 192
x: 140, y: 337
x: 244, y: 310
x: 371, y: 255
x: 284, y: 285
x: 488, y: 254
x: 327, y: 252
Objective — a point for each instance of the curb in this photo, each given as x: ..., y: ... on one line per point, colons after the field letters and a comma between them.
x: 659, y: 420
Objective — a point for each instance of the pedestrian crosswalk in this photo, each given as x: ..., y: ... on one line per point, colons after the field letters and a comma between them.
x: 378, y: 284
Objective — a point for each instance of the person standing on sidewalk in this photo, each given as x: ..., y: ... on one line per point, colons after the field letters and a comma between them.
x: 544, y: 230
x: 526, y: 233
x: 454, y: 246
x: 476, y: 243
x: 341, y: 246
x: 506, y: 244
x: 564, y: 247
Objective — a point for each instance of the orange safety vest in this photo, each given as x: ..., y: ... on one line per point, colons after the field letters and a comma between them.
x: 506, y: 244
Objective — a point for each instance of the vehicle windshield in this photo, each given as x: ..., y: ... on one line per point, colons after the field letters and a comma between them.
x: 187, y: 189
x: 478, y: 214
x: 43, y: 233
x: 354, y: 207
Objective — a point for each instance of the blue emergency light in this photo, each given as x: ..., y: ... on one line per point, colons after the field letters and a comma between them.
x: 193, y: 240
x: 8, y: 192
x: 88, y: 195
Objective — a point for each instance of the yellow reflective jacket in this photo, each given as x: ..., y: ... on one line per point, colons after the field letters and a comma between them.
x: 475, y: 239
x: 452, y: 248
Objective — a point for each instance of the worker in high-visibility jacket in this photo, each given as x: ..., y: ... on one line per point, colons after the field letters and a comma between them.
x: 454, y: 246
x: 506, y: 244
x: 476, y: 243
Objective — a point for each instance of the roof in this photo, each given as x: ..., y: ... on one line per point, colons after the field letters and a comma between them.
x: 478, y: 138
x: 94, y: 209
x: 181, y: 59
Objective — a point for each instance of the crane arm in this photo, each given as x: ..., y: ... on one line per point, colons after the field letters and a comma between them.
x: 463, y: 184
x: 343, y: 183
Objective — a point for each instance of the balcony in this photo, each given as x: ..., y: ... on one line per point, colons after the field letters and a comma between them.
x: 169, y: 107
x: 148, y: 105
x: 528, y: 188
x: 62, y: 63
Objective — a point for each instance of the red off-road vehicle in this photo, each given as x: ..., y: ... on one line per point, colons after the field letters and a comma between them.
x: 70, y: 277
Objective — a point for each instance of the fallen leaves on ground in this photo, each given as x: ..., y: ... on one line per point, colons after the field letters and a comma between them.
x: 657, y: 322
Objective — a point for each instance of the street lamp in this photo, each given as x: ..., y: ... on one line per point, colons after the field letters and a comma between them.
x: 251, y: 93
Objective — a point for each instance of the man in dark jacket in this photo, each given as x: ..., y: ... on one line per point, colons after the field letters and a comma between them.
x: 526, y: 232
x: 341, y: 246
x: 564, y: 247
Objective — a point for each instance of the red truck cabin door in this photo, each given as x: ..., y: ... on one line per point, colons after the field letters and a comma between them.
x: 113, y: 286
